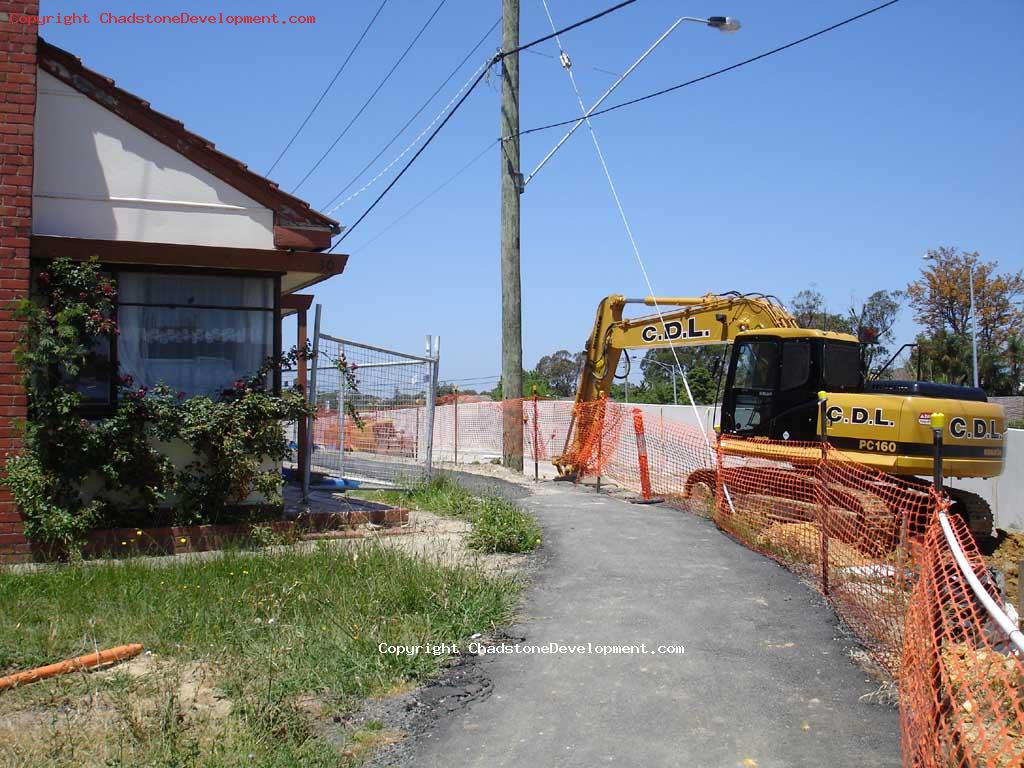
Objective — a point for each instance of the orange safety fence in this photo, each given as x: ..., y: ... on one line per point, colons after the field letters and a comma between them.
x: 962, y: 682
x: 869, y: 542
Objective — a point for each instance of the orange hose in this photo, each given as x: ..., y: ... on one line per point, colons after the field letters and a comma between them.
x: 87, y: 661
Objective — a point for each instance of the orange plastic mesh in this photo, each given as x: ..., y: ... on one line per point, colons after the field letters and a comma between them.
x: 962, y: 687
x: 869, y: 542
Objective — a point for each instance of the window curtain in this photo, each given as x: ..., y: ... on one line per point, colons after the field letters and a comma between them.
x: 197, y: 334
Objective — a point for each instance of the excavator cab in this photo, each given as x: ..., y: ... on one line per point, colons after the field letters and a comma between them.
x: 774, y: 377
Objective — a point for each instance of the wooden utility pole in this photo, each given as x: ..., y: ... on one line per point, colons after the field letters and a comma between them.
x: 511, y: 291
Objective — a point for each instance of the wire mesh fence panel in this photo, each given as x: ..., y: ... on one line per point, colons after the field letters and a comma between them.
x: 374, y: 410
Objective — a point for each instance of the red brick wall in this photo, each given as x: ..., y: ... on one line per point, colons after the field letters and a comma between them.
x: 17, y: 119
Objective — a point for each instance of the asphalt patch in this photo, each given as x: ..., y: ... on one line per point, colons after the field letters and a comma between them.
x: 463, y: 682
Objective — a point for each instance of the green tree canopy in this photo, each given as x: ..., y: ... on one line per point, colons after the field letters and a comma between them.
x: 560, y: 370
x: 941, y: 301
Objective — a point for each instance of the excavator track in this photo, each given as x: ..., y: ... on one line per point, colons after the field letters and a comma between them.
x: 975, y: 511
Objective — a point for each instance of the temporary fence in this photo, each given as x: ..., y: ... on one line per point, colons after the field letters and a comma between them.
x: 374, y: 411
x: 962, y: 683
x: 474, y: 432
x: 872, y: 544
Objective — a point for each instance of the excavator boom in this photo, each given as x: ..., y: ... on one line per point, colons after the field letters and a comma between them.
x: 709, y: 319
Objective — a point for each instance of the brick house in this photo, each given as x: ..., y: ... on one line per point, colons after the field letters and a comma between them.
x: 207, y: 254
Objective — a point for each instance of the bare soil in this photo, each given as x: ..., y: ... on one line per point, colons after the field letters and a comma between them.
x: 1007, y: 557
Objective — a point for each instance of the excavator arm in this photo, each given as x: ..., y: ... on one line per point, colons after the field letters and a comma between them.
x: 709, y: 319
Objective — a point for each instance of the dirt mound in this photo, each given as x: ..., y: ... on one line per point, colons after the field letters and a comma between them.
x: 988, y: 690
x: 1007, y: 556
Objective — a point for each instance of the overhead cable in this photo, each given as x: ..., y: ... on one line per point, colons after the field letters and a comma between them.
x: 715, y: 73
x: 418, y: 112
x: 496, y: 58
x: 330, y: 85
x: 370, y: 98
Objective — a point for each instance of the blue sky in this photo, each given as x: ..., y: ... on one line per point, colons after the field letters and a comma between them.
x: 836, y: 163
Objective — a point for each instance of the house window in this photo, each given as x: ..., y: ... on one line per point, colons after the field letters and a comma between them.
x: 94, y: 380
x: 196, y: 333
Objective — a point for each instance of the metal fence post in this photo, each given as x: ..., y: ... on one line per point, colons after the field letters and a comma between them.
x: 434, y: 353
x: 823, y: 522
x: 311, y: 430
x: 536, y: 466
x: 341, y: 410
x: 456, y: 426
x: 938, y: 424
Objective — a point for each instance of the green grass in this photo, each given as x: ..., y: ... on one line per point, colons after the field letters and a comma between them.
x: 276, y: 630
x: 498, y: 525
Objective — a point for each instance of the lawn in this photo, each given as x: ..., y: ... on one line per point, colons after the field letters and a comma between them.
x: 254, y: 655
x: 498, y: 524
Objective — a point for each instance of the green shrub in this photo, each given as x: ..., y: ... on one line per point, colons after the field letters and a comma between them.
x: 500, y: 526
x: 231, y: 436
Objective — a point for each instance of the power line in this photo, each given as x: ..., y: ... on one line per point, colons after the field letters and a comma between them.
x: 717, y: 72
x: 412, y: 159
x: 476, y: 379
x: 588, y: 66
x: 494, y: 59
x: 416, y: 140
x: 571, y: 27
x: 417, y: 114
x: 371, y: 97
x: 425, y: 198
x: 326, y: 90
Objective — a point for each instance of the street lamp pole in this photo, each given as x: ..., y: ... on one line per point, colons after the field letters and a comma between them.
x: 721, y: 23
x: 672, y: 370
x: 974, y: 329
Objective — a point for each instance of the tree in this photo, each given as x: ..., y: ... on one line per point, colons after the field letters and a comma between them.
x: 1015, y: 363
x: 560, y: 370
x: 941, y: 302
x: 449, y: 388
x: 703, y: 365
x: 530, y: 380
x: 875, y: 319
x: 810, y: 311
x: 943, y: 357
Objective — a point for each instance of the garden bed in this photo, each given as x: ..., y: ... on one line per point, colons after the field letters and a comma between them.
x: 325, y: 516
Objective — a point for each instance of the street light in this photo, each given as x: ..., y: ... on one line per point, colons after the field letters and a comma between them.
x: 724, y: 23
x: 974, y: 329
x: 671, y: 369
x: 721, y: 23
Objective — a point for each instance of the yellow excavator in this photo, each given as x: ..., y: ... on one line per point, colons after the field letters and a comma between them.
x: 776, y: 372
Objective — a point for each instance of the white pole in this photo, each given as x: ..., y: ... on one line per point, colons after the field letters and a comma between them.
x: 974, y: 329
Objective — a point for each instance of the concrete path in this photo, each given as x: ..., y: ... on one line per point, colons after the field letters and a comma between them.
x: 763, y: 682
